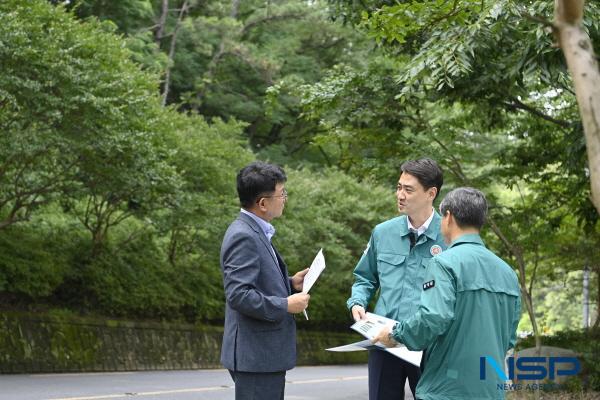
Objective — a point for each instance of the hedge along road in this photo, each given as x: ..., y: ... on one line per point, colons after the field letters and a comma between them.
x: 303, y: 383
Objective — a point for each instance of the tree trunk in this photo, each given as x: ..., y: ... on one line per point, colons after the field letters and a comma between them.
x: 525, y: 291
x: 597, y: 323
x: 162, y: 21
x: 235, y: 6
x: 182, y: 12
x: 98, y: 238
x: 583, y: 66
x: 173, y: 243
x: 212, y: 65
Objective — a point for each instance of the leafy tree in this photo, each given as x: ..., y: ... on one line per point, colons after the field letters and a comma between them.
x: 45, y: 99
x: 77, y: 119
x: 130, y: 16
x: 220, y: 59
x: 465, y: 51
x: 207, y: 157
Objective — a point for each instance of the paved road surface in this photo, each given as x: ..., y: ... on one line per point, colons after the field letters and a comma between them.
x: 304, y: 383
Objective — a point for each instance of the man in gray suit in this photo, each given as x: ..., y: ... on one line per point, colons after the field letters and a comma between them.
x: 259, y: 341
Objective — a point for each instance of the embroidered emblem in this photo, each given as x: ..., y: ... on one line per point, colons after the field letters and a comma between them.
x: 428, y: 285
x: 435, y: 249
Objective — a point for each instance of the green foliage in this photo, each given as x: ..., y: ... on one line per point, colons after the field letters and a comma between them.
x: 396, y: 23
x: 34, y: 260
x: 128, y: 15
x: 132, y: 280
x: 332, y: 211
x: 358, y: 131
x: 160, y: 182
x: 146, y: 52
x: 84, y: 123
x: 559, y: 303
x: 77, y: 119
x: 224, y: 56
x: 207, y: 157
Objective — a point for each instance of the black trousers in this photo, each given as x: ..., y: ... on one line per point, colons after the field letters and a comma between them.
x: 388, y: 374
x: 258, y: 385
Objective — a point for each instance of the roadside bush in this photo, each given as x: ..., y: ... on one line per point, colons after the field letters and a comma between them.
x: 34, y: 259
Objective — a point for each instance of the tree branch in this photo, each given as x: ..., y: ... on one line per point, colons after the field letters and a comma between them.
x: 519, y: 105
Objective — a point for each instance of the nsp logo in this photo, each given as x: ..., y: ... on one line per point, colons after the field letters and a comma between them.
x: 531, y: 368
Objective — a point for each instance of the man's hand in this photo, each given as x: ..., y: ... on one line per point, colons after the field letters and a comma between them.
x: 298, y: 279
x: 297, y: 303
x: 358, y: 313
x: 384, y: 337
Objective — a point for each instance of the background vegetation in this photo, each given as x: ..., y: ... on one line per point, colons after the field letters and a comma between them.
x: 124, y: 123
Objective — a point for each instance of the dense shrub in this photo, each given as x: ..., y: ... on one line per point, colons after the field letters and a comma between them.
x: 33, y: 260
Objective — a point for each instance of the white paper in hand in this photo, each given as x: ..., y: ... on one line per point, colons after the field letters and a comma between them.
x: 373, y: 324
x: 317, y: 266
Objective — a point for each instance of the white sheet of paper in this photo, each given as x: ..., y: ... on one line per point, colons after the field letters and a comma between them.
x: 413, y: 357
x: 357, y: 346
x: 400, y: 351
x: 373, y: 324
x: 317, y: 266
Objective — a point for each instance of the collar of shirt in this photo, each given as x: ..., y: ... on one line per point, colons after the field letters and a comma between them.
x: 267, y: 228
x: 421, y: 230
x: 468, y: 238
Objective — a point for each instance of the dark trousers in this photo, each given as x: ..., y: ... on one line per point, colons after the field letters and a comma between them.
x: 258, y: 385
x: 388, y: 374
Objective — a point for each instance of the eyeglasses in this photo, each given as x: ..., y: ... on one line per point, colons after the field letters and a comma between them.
x: 283, y: 195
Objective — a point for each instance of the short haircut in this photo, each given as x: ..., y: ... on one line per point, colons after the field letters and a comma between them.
x: 427, y: 171
x: 468, y: 206
x: 256, y: 179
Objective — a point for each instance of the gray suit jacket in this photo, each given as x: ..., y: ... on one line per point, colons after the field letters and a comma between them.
x: 260, y: 335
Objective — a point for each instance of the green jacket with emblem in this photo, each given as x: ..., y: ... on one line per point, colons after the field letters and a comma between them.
x: 392, y: 267
x: 470, y: 308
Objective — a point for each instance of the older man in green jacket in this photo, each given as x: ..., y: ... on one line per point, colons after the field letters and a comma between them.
x: 470, y: 308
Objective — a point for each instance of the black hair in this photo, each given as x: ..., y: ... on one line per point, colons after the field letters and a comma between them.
x: 256, y: 179
x: 427, y: 171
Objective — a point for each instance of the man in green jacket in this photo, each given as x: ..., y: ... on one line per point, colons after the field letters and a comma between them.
x: 470, y: 308
x: 394, y: 263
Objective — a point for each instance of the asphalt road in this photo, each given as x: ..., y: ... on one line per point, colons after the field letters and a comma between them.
x: 303, y: 383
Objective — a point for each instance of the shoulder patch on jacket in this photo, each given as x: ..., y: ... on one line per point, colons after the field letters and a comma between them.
x: 428, y: 285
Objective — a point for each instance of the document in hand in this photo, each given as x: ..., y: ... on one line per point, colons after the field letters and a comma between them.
x: 317, y: 266
x: 372, y: 325
x: 369, y: 328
